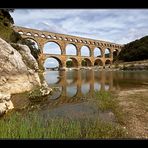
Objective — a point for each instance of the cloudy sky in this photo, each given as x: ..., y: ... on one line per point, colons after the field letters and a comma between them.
x: 114, y: 25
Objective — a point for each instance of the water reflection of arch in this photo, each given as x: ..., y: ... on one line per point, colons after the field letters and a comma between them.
x: 85, y: 90
x: 72, y: 77
x: 53, y: 79
x: 87, y: 76
x: 74, y: 89
x: 56, y: 94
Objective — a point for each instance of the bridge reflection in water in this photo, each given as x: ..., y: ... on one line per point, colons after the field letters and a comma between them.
x: 77, y: 86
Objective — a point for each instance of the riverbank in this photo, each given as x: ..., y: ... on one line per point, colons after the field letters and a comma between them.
x: 121, y: 115
x: 134, y: 106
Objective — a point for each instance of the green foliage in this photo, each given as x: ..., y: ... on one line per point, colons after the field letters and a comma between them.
x: 33, y: 125
x: 84, y: 63
x: 34, y: 51
x: 69, y: 64
x: 6, y: 31
x: 107, y: 101
x: 9, y: 35
x: 135, y: 51
x: 6, y: 17
x: 35, y: 94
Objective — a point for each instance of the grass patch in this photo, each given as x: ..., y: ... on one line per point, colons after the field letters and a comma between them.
x: 108, y: 101
x: 31, y: 125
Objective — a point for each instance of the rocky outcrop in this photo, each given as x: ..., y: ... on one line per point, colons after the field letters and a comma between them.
x: 38, y: 93
x: 5, y: 103
x: 18, y: 68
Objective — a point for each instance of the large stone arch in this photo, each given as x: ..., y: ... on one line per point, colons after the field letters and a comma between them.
x: 71, y: 49
x: 107, y: 53
x: 115, y: 53
x: 33, y: 39
x: 97, y: 52
x: 21, y: 32
x: 87, y: 50
x: 108, y: 63
x: 58, y: 59
x: 75, y: 62
x: 56, y: 44
x: 86, y: 62
x: 98, y: 62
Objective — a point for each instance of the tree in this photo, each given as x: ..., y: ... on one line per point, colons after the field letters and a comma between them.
x: 6, y: 17
x: 134, y: 51
x: 69, y: 63
x: 84, y: 63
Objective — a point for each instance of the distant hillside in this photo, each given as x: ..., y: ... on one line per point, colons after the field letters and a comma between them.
x: 134, y: 51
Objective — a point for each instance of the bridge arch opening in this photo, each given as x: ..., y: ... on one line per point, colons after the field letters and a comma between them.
x: 107, y: 63
x: 85, y: 51
x: 52, y: 63
x: 29, y: 34
x: 97, y: 52
x: 107, y: 53
x: 98, y: 62
x: 34, y: 43
x: 52, y: 48
x: 72, y: 62
x: 20, y: 32
x: 86, y: 62
x: 115, y: 54
x: 71, y: 49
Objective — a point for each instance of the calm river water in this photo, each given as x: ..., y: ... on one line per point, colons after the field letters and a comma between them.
x: 82, y: 83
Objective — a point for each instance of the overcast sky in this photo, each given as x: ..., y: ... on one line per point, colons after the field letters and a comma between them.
x: 114, y: 25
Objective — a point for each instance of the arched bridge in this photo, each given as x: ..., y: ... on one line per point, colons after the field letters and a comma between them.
x: 43, y: 37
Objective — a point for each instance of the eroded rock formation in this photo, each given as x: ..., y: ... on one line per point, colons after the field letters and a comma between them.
x: 18, y: 72
x: 5, y: 103
x: 18, y: 69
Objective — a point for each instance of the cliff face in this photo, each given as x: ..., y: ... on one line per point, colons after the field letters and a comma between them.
x: 18, y: 68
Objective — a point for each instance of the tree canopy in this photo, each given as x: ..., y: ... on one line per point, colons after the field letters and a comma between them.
x: 134, y: 51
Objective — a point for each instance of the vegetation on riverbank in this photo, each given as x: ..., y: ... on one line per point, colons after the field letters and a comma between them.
x: 107, y: 101
x: 135, y: 50
x: 33, y: 125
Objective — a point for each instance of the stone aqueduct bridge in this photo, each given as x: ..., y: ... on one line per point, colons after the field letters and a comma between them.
x: 43, y: 37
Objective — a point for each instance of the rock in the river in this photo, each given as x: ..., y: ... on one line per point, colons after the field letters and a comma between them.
x: 18, y: 69
x: 38, y: 93
x: 5, y: 103
x: 45, y: 90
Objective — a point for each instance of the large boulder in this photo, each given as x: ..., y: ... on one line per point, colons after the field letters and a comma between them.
x: 16, y: 75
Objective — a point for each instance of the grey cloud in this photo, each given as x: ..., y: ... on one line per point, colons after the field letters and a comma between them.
x: 116, y: 25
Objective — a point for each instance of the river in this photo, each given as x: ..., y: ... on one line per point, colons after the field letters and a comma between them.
x: 73, y: 98
x: 82, y: 83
